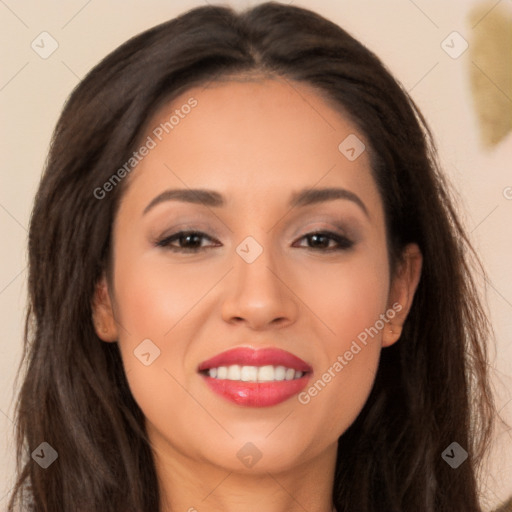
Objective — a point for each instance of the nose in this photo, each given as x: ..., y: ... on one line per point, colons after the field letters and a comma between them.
x: 258, y: 294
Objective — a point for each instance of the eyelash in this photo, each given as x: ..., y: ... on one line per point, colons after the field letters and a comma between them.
x: 343, y: 242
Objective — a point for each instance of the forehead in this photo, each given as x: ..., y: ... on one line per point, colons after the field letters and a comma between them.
x: 282, y: 114
x: 252, y: 135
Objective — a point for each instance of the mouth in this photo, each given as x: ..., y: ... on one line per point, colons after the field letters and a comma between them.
x: 255, y: 378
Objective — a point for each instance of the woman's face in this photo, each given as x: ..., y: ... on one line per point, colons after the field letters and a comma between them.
x: 256, y: 277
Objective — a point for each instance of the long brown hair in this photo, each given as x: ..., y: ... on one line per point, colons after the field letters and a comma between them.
x: 431, y: 388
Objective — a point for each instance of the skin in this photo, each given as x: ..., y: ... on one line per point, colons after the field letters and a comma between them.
x: 255, y: 142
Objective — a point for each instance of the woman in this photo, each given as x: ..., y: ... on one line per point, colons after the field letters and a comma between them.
x: 249, y: 287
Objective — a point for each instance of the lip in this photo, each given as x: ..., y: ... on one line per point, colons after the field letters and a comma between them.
x: 247, y: 356
x: 256, y: 394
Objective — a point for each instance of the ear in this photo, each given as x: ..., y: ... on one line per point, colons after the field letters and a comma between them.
x: 103, y: 313
x: 402, y: 289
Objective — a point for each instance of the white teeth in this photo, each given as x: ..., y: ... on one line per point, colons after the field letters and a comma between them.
x: 233, y: 372
x: 248, y: 373
x: 266, y: 373
x: 280, y: 373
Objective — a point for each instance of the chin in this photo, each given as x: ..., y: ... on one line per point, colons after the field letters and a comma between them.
x: 259, y: 453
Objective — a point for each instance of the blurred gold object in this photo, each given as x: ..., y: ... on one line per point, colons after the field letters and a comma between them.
x: 506, y: 507
x: 490, y: 52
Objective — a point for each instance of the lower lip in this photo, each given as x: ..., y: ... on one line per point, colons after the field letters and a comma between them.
x: 257, y: 394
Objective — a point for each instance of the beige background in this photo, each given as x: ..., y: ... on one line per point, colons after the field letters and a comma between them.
x: 406, y: 34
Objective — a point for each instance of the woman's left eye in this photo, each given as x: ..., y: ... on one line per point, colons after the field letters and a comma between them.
x: 191, y: 241
x: 321, y: 240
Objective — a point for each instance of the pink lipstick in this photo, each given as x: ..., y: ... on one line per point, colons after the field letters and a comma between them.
x: 255, y: 378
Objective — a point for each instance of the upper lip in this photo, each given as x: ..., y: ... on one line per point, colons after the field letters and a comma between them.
x: 248, y: 356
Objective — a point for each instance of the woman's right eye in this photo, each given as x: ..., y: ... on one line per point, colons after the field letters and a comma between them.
x: 187, y: 241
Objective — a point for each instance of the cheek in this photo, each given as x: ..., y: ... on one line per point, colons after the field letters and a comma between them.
x: 159, y: 302
x: 156, y: 302
x: 155, y: 295
x: 337, y: 394
x: 351, y: 300
x: 349, y: 297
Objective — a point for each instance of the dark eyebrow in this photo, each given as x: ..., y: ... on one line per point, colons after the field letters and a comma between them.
x: 319, y: 195
x: 196, y: 196
x: 214, y: 199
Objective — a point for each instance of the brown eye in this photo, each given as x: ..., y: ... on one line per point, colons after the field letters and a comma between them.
x: 187, y: 241
x: 320, y: 240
